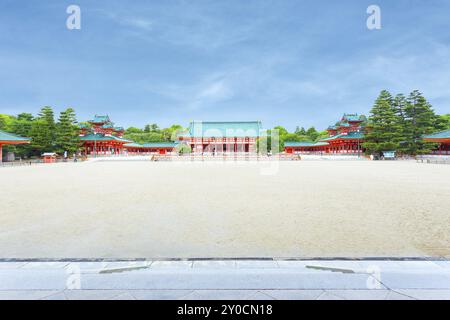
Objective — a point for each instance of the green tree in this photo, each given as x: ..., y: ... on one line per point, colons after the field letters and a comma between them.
x: 420, y: 119
x: 131, y: 130
x: 152, y: 133
x: 144, y: 137
x: 2, y: 122
x: 170, y: 134
x: 67, y: 132
x: 322, y: 135
x: 312, y: 133
x: 384, y: 128
x: 282, y: 131
x: 151, y: 128
x: 21, y: 125
x: 296, y: 137
x: 445, y: 120
x: 48, y: 116
x: 25, y: 116
x: 43, y: 131
x: 399, y: 104
x: 183, y: 148
x: 300, y: 131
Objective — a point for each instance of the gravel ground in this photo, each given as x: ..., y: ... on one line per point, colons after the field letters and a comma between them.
x: 133, y: 209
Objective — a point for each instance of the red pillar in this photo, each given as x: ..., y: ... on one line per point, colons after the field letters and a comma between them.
x: 1, y: 153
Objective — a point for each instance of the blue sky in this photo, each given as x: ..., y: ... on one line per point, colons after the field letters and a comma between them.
x: 282, y: 62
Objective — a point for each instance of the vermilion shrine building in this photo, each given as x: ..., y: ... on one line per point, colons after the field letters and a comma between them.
x: 443, y: 140
x: 218, y: 137
x: 345, y: 137
x: 10, y: 139
x: 102, y: 137
x: 222, y: 137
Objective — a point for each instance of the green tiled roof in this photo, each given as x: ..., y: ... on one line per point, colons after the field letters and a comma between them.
x: 354, y: 117
x: 225, y: 129
x: 160, y: 145
x: 102, y: 137
x: 119, y: 129
x: 350, y: 135
x: 152, y: 145
x: 439, y: 135
x: 100, y: 119
x: 6, y: 136
x: 133, y: 145
x: 107, y: 126
x: 305, y: 144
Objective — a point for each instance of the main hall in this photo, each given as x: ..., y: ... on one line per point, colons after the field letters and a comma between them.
x: 223, y: 136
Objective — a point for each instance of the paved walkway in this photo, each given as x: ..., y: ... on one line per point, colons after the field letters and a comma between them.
x: 226, y: 279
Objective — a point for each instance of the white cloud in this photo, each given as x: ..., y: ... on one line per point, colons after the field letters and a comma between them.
x: 133, y: 21
x: 140, y: 23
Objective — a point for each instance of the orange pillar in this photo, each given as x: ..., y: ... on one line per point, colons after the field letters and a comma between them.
x: 1, y: 153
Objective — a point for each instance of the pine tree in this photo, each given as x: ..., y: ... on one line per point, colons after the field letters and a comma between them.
x: 383, y: 128
x: 399, y: 104
x: 2, y: 123
x: 302, y: 131
x: 312, y: 133
x: 67, y: 132
x: 22, y: 127
x: 25, y: 116
x: 42, y: 131
x: 420, y: 120
x: 445, y: 121
x: 442, y: 122
x: 39, y: 137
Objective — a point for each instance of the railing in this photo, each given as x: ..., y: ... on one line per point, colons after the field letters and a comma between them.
x: 31, y: 162
x: 440, y: 152
x: 433, y: 159
x: 18, y: 163
x: 318, y: 153
x: 225, y: 157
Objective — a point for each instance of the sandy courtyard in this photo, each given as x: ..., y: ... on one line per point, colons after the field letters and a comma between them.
x: 161, y: 210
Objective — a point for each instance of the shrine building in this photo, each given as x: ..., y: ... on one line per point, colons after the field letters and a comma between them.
x: 218, y: 137
x: 102, y: 137
x: 442, y: 139
x: 345, y: 137
x: 10, y: 139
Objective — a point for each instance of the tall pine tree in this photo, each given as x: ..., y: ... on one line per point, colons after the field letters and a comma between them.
x: 21, y: 126
x: 67, y: 132
x: 420, y: 120
x: 42, y: 131
x: 383, y: 128
x: 399, y: 104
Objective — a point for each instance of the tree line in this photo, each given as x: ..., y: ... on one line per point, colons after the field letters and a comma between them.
x: 152, y: 133
x: 47, y: 135
x: 299, y: 135
x: 399, y: 124
x: 395, y: 123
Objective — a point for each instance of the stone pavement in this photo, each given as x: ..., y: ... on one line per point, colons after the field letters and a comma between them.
x: 226, y: 279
